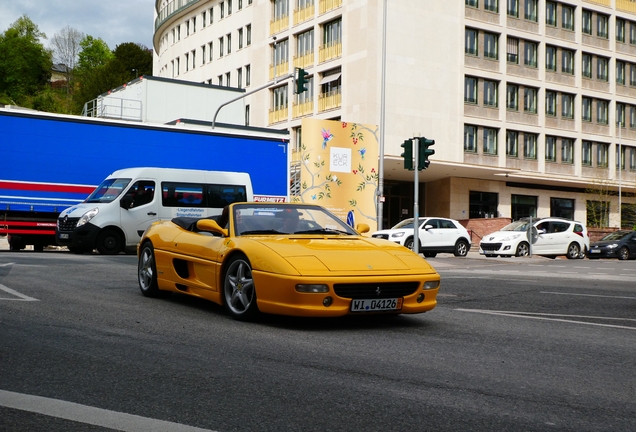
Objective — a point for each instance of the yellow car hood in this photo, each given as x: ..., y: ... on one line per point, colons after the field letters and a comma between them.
x: 345, y: 254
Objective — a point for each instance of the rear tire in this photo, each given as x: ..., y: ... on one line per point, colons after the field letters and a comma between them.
x: 109, y: 242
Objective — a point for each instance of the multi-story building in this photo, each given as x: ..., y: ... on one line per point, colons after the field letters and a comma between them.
x: 530, y: 102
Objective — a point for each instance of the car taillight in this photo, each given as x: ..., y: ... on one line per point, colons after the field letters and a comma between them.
x: 579, y: 233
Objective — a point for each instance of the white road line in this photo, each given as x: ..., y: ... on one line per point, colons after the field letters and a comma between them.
x: 588, y: 295
x: 6, y: 264
x: 90, y: 415
x: 22, y: 297
x: 544, y: 317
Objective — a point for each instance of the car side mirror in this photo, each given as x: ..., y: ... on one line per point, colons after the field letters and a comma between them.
x: 212, y: 226
x: 541, y: 231
x: 362, y: 228
x: 428, y: 227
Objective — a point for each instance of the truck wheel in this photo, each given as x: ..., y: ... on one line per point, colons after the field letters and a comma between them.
x: 109, y: 242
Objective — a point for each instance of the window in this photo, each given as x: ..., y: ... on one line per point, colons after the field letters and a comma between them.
x: 632, y: 158
x: 620, y: 114
x: 512, y: 143
x: 221, y: 47
x: 602, y: 26
x: 601, y: 155
x: 632, y: 33
x: 601, y: 111
x: 490, y: 46
x: 279, y: 98
x: 632, y: 74
x: 512, y: 51
x: 229, y: 42
x: 229, y: 7
x: 586, y: 66
x: 523, y: 206
x: 211, y: 15
x: 210, y: 52
x: 281, y: 9
x: 240, y: 4
x: 620, y: 157
x: 280, y: 52
x: 202, y: 54
x: 470, y: 89
x: 248, y: 35
x: 561, y: 207
x: 550, y: 148
x: 203, y: 20
x: 620, y: 72
x: 586, y: 153
x: 586, y: 109
x: 482, y: 204
x: 490, y: 141
x: 470, y: 138
x: 332, y: 33
x: 240, y: 38
x: 597, y: 213
x: 472, y: 3
x: 222, y: 7
x: 491, y: 5
x: 567, y: 65
x: 530, y: 100
x: 551, y: 13
x: 602, y: 69
x: 305, y: 43
x: 551, y: 103
x: 471, y: 41
x: 228, y: 79
x: 567, y: 17
x: 567, y: 150
x: 620, y: 30
x: 248, y: 75
x: 490, y: 93
x: 530, y: 54
x: 239, y: 77
x: 513, y: 8
x: 567, y: 105
x: 529, y: 146
x: 512, y: 97
x: 550, y: 57
x: 531, y: 8
x: 586, y: 25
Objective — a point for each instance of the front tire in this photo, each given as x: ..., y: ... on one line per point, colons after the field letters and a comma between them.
x: 430, y: 254
x: 109, y: 242
x: 623, y: 253
x: 523, y: 249
x: 409, y: 243
x: 461, y: 249
x: 573, y: 251
x: 147, y: 272
x: 238, y: 289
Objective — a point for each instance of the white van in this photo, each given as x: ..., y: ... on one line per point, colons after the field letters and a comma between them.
x: 113, y: 218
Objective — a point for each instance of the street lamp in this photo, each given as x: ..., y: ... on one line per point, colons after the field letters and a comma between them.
x: 380, y: 192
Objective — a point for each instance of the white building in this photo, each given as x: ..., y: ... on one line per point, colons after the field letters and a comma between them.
x: 522, y: 97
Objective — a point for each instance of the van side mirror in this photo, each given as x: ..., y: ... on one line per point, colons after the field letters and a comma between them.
x: 126, y: 202
x: 212, y: 226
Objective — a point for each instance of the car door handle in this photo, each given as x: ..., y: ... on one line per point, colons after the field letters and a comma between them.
x: 152, y: 214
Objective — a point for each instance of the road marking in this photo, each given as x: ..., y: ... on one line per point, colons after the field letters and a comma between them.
x: 6, y: 264
x: 90, y: 415
x: 22, y: 297
x: 545, y: 317
x: 588, y: 295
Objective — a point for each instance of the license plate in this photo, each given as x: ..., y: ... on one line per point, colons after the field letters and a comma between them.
x: 375, y: 305
x: 595, y: 251
x: 64, y: 236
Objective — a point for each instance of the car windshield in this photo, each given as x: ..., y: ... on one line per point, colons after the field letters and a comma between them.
x: 406, y: 223
x: 618, y: 235
x: 520, y: 225
x: 108, y: 191
x: 276, y: 219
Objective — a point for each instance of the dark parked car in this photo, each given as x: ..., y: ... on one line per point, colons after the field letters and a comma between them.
x: 619, y: 244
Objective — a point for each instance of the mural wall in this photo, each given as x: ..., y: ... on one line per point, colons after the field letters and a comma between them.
x: 339, y: 169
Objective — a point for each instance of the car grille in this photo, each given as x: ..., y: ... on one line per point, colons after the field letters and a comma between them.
x: 382, y: 236
x: 67, y: 224
x: 375, y: 290
x: 494, y: 247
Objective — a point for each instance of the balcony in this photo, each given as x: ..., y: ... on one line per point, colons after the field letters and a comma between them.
x: 604, y: 2
x: 304, y: 61
x: 173, y: 7
x: 304, y: 14
x: 327, y: 5
x: 278, y: 115
x: 621, y: 5
x: 303, y: 109
x: 330, y: 100
x: 330, y: 51
x: 281, y: 69
x: 279, y: 25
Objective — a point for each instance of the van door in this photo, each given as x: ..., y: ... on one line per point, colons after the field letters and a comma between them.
x: 139, y: 208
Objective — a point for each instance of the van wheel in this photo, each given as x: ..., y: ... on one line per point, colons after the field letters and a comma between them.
x: 109, y: 242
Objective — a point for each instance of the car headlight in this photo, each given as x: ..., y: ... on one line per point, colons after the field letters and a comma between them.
x: 86, y: 217
x: 511, y: 237
x: 612, y: 246
x: 399, y: 234
x: 431, y: 284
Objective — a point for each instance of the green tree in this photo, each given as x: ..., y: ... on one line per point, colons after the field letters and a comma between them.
x: 94, y: 53
x: 25, y: 65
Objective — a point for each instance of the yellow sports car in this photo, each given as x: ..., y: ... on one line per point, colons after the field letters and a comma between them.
x: 288, y: 259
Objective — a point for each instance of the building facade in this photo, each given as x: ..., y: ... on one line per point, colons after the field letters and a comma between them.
x: 530, y: 102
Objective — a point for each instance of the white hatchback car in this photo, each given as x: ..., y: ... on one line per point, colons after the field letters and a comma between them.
x: 436, y: 235
x: 551, y: 237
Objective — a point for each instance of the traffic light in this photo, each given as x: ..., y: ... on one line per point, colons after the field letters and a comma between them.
x: 424, y: 152
x: 300, y: 79
x: 407, y: 145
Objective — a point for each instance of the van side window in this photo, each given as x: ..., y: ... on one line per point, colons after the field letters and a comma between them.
x: 221, y: 195
x: 176, y: 194
x: 140, y: 193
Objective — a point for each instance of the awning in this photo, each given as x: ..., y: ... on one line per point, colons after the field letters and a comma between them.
x: 329, y: 78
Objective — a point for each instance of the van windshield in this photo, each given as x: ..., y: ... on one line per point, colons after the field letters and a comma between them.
x: 108, y: 191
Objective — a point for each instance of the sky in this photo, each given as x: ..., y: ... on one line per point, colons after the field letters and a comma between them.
x: 115, y: 21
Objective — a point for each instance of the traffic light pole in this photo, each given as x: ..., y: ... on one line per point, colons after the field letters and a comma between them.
x: 416, y: 193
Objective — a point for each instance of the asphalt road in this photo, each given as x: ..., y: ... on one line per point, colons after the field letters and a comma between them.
x: 514, y: 344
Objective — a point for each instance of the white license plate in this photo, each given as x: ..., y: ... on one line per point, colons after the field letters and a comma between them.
x: 375, y: 305
x: 64, y: 236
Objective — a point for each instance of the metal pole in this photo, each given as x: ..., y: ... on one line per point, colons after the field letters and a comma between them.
x: 620, y: 174
x: 416, y: 192
x: 380, y: 192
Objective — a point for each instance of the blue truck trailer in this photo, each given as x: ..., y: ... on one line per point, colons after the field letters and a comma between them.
x: 50, y: 162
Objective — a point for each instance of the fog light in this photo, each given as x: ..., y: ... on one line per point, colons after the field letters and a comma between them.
x: 420, y: 298
x: 326, y: 302
x: 507, y: 248
x: 431, y: 284
x: 312, y: 288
